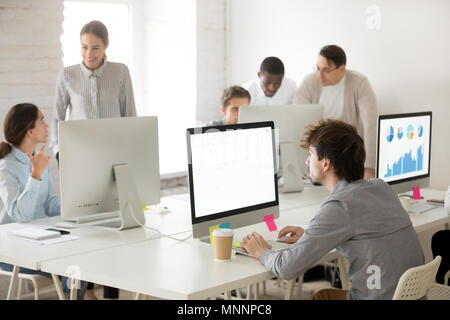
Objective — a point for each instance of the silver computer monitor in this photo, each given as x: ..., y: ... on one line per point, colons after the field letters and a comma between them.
x: 404, y: 150
x: 232, y: 176
x: 290, y: 121
x: 108, y: 165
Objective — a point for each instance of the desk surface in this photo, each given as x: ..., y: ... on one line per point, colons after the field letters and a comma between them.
x: 163, y: 267
x: 30, y: 255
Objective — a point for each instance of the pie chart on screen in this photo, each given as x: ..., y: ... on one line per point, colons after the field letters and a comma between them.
x: 410, y: 132
x: 399, y: 133
x: 420, y: 130
x: 389, y: 134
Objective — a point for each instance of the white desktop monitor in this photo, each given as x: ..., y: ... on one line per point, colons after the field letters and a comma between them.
x: 290, y: 120
x: 89, y: 152
x: 404, y: 150
x: 232, y: 175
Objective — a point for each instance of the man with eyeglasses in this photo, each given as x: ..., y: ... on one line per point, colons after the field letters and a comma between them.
x: 346, y: 95
x: 272, y: 87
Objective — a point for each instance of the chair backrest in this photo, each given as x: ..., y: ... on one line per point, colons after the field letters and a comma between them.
x: 415, y: 282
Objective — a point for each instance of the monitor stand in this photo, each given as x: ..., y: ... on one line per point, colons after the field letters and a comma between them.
x: 292, y: 176
x: 131, y: 213
x: 206, y: 239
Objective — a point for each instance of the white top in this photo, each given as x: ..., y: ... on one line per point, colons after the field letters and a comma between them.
x: 284, y: 95
x: 332, y: 98
x: 106, y: 92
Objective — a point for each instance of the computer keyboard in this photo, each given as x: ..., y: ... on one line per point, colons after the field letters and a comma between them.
x: 421, y: 207
x: 276, y: 246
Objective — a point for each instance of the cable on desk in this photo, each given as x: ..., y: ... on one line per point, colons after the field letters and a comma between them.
x: 159, y: 232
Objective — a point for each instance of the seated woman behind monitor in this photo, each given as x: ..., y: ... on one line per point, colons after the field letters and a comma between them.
x: 26, y: 189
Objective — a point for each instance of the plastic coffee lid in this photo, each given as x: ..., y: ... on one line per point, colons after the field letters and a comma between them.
x: 222, y: 232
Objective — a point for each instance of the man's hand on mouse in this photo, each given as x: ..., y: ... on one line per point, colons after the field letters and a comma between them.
x: 255, y: 244
x: 291, y: 233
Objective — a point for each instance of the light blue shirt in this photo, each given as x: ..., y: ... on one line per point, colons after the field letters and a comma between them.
x: 23, y: 198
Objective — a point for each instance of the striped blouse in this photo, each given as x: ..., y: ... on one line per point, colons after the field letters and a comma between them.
x: 106, y: 92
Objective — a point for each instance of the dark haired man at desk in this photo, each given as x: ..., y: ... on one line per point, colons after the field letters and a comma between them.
x: 364, y: 220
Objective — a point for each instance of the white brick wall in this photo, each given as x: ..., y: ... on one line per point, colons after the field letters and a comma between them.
x: 211, y: 58
x: 30, y: 56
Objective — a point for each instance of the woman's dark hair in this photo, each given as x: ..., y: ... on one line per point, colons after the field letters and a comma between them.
x: 19, y: 119
x: 98, y: 29
x: 340, y: 143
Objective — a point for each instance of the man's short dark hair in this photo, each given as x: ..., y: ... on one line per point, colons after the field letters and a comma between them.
x: 272, y: 65
x: 340, y: 143
x: 233, y: 92
x: 334, y: 53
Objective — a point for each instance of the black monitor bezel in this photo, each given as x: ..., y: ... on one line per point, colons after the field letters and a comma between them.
x: 404, y: 115
x: 203, y: 130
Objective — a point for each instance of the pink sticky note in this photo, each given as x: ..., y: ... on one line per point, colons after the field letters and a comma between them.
x: 416, y: 193
x: 270, y: 223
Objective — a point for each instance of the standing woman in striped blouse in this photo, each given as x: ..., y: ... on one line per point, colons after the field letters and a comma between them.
x: 95, y: 88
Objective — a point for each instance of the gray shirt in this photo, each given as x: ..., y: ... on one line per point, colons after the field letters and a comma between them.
x: 366, y: 223
x: 106, y: 92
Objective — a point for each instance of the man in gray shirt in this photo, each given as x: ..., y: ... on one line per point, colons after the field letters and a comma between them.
x: 363, y: 220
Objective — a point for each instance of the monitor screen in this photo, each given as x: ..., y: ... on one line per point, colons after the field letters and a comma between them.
x: 231, y: 173
x: 404, y: 144
x: 89, y: 150
x: 290, y: 122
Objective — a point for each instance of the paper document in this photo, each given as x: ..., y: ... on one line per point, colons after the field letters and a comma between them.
x: 63, y: 238
x: 35, y: 233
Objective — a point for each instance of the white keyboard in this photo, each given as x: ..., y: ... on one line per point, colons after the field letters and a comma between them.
x: 276, y: 246
x: 421, y: 207
x: 93, y: 217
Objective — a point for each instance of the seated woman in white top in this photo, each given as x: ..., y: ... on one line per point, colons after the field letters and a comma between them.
x: 26, y: 189
x: 95, y: 88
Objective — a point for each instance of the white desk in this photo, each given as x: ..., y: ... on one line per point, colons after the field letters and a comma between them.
x: 21, y: 253
x: 171, y: 269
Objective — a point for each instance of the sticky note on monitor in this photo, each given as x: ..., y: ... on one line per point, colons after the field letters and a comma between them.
x: 211, y: 229
x: 225, y: 225
x: 416, y: 193
x: 270, y: 222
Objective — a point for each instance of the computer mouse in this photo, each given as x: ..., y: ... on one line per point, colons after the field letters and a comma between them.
x: 66, y: 225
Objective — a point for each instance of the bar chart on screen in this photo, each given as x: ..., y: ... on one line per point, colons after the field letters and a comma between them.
x: 403, y: 144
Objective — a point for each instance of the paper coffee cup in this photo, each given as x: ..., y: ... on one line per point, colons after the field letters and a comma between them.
x: 223, y: 242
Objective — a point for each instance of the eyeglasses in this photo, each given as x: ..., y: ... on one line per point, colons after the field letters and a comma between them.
x: 324, y: 70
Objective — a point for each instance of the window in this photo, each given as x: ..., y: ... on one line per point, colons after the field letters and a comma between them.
x: 156, y: 39
x: 113, y: 15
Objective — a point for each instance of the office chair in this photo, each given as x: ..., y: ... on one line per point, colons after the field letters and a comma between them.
x: 416, y: 282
